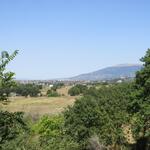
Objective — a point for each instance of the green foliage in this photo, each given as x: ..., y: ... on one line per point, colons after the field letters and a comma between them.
x: 102, y: 112
x: 32, y: 90
x: 52, y: 134
x: 62, y: 143
x: 74, y: 91
x: 25, y: 141
x: 51, y: 93
x: 77, y: 90
x: 140, y: 105
x: 57, y: 86
x: 49, y: 126
x: 11, y: 125
x: 6, y: 78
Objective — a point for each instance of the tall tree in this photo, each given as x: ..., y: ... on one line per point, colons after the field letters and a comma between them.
x: 140, y: 106
x: 6, y: 78
x: 10, y: 123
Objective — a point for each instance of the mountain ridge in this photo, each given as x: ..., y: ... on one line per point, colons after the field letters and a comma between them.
x: 108, y: 73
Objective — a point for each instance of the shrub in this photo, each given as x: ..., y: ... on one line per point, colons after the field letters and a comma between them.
x: 27, y: 90
x: 101, y: 112
x: 24, y: 141
x: 51, y: 132
x: 77, y: 90
x: 11, y: 124
x: 51, y: 93
x: 57, y: 86
x: 49, y: 126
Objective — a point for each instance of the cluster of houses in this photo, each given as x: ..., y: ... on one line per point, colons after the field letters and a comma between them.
x: 50, y: 83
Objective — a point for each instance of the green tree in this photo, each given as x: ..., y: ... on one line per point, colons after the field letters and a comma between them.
x: 51, y: 132
x: 101, y: 112
x: 6, y: 78
x: 11, y: 124
x: 52, y: 93
x: 77, y: 90
x: 74, y: 91
x: 57, y: 86
x: 27, y: 90
x: 140, y: 105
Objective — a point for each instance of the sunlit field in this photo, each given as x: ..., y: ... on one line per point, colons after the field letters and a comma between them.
x: 40, y: 105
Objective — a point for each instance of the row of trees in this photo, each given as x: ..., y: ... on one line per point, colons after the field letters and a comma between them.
x: 57, y: 86
x: 22, y: 90
x: 32, y: 90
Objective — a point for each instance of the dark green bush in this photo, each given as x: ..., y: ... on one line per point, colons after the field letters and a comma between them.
x: 11, y: 125
x: 77, y: 90
x: 32, y: 90
x: 101, y: 112
x: 57, y: 86
x: 51, y: 93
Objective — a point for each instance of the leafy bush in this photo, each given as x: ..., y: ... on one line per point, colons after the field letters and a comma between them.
x: 139, y: 107
x: 101, y: 112
x: 77, y: 90
x: 51, y: 93
x: 6, y: 78
x: 51, y: 132
x: 11, y: 124
x: 27, y: 90
x: 24, y: 141
x: 57, y: 86
x: 49, y: 126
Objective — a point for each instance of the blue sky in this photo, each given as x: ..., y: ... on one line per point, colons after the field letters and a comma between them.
x: 63, y: 38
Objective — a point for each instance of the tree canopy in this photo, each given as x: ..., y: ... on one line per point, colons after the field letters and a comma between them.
x: 140, y: 105
x: 6, y: 78
x: 11, y: 124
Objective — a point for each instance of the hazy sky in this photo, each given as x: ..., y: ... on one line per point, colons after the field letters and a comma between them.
x: 63, y: 38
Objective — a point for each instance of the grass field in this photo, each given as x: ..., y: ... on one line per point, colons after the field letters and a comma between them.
x: 38, y: 106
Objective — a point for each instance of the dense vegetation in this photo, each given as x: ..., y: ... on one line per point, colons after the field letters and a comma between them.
x: 112, y: 116
x: 77, y: 90
x: 6, y: 78
x: 52, y: 93
x: 11, y: 124
x: 27, y: 90
x: 100, y: 113
x: 57, y: 86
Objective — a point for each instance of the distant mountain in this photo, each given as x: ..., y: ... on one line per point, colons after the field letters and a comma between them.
x: 109, y: 73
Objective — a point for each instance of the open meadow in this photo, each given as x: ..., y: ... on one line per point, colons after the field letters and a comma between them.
x: 38, y: 106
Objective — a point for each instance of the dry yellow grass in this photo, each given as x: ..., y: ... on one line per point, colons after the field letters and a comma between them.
x: 64, y: 90
x: 38, y: 106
